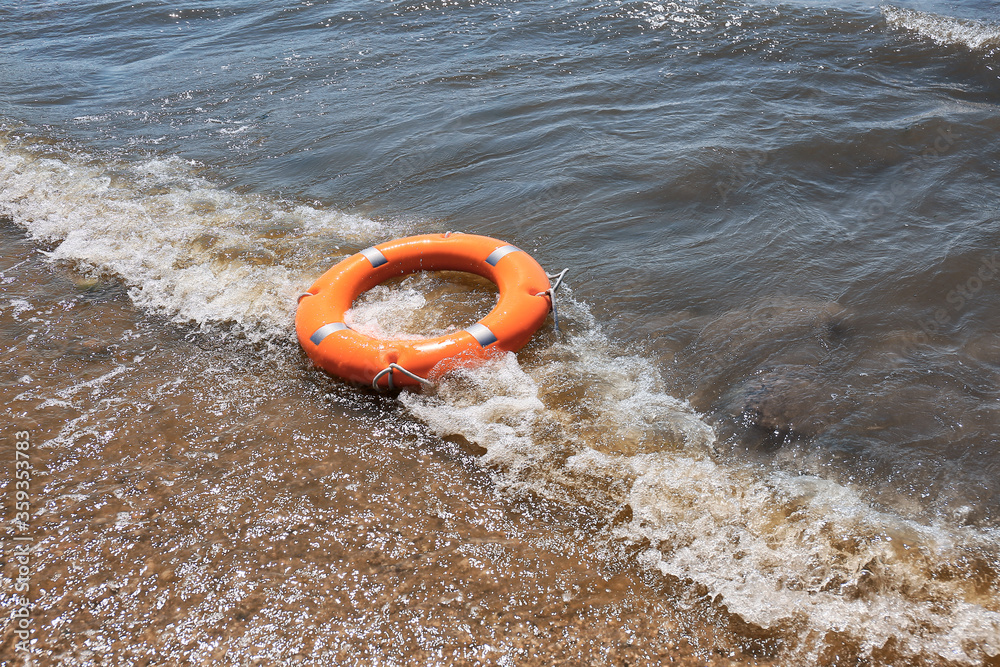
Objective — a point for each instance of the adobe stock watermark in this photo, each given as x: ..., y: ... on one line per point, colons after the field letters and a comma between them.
x: 19, y: 555
x: 959, y: 298
x: 423, y: 152
x: 538, y: 207
x: 944, y: 142
x: 739, y: 173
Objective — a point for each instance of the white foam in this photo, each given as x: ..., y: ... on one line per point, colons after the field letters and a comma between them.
x: 574, y: 420
x: 380, y: 315
x: 422, y: 305
x: 183, y: 245
x: 944, y: 30
x: 796, y: 554
x: 796, y: 551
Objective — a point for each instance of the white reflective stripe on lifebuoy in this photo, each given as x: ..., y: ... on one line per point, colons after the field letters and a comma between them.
x: 482, y: 334
x: 325, y: 331
x: 500, y: 253
x: 374, y: 256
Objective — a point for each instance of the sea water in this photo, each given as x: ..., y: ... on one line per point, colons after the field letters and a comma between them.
x: 766, y: 432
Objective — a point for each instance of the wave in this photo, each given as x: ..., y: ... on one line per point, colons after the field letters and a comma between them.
x: 804, y: 558
x: 944, y: 30
x: 184, y: 246
x: 572, y: 417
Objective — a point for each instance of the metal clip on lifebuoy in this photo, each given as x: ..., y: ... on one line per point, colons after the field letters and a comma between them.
x: 551, y: 293
x: 396, y: 367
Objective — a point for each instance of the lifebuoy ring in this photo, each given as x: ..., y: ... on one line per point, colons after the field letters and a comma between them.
x: 523, y: 305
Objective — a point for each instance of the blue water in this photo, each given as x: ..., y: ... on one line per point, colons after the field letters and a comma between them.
x: 784, y: 214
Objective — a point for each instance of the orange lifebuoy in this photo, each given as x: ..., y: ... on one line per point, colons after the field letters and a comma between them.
x: 521, y: 309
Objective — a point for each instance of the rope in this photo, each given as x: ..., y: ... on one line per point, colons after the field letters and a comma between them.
x: 396, y: 367
x: 551, y: 292
x: 558, y: 276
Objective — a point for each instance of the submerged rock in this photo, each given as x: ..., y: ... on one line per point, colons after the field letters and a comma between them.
x: 765, y: 364
x: 784, y: 401
x: 773, y: 332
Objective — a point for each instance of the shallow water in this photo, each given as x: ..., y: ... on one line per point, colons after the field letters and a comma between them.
x: 767, y: 431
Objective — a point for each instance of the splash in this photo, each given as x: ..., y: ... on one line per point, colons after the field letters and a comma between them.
x: 422, y: 305
x: 183, y: 245
x: 569, y: 418
x: 944, y: 30
x: 796, y: 555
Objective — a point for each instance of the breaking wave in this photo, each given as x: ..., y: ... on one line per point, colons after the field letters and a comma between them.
x: 572, y: 417
x: 944, y: 30
x: 802, y: 557
x: 184, y: 246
